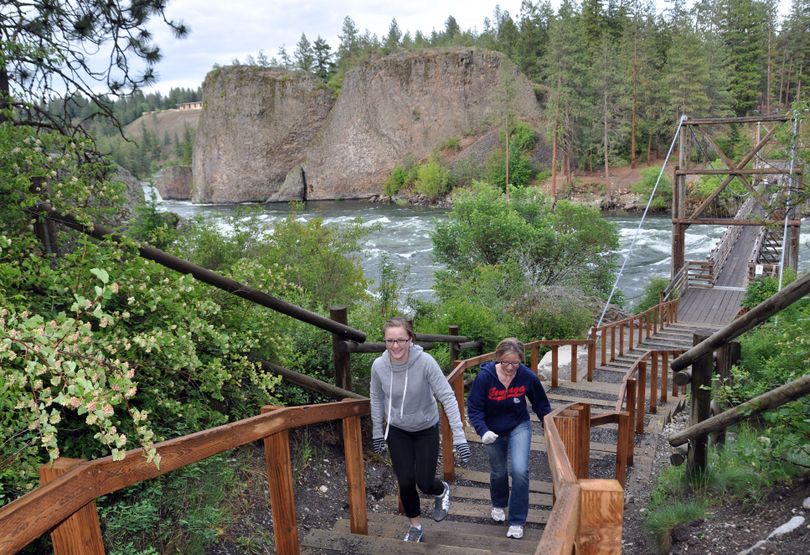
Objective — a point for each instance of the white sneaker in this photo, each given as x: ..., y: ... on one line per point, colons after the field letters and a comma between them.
x: 498, y: 515
x: 515, y: 531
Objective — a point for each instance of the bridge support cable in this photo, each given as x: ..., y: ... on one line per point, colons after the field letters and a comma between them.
x: 641, y: 223
x: 788, y: 209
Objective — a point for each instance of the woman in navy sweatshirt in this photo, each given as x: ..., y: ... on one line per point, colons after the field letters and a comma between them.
x: 497, y: 408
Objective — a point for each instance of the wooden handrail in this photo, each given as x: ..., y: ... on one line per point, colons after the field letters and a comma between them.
x: 27, y: 518
x: 769, y: 400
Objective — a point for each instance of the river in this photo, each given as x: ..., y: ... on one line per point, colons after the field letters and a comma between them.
x: 404, y: 234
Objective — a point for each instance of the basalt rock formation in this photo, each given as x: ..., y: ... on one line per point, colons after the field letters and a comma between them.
x: 267, y: 134
x: 254, y: 128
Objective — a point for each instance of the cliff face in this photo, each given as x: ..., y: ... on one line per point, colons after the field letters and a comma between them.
x: 275, y: 135
x: 408, y: 105
x: 174, y: 182
x: 254, y: 128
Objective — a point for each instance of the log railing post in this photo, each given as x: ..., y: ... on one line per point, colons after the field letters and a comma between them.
x: 79, y: 534
x: 641, y: 394
x: 355, y: 475
x: 573, y: 363
x: 282, y: 497
x: 654, y: 383
x: 700, y: 390
x: 621, y: 340
x: 623, y: 446
x: 600, y: 517
x: 604, y: 346
x: 454, y: 349
x: 613, y: 342
x: 632, y: 333
x: 632, y: 387
x: 535, y: 358
x: 591, y: 358
x: 664, y: 375
x: 343, y: 369
x: 568, y: 428
x: 554, y: 366
x: 583, y: 439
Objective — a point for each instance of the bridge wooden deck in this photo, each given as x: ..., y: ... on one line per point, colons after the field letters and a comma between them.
x: 715, y: 305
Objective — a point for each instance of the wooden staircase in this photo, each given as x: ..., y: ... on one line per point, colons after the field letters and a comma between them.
x: 468, y: 528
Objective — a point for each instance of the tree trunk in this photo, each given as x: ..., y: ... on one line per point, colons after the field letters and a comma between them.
x: 554, y: 165
x: 605, y: 142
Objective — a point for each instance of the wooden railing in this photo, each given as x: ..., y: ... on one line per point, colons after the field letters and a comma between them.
x: 637, y: 328
x: 66, y: 503
x: 721, y: 252
x: 587, y: 514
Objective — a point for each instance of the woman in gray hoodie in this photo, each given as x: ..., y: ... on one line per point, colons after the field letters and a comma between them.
x: 405, y: 383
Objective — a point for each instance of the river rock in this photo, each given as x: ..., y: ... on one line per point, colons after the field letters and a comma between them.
x: 254, y: 129
x: 407, y: 106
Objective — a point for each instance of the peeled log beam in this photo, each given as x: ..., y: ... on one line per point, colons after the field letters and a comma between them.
x: 752, y: 318
x: 311, y: 383
x: 207, y: 276
x: 772, y: 399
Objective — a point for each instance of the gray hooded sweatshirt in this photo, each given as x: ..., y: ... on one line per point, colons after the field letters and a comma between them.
x: 405, y: 395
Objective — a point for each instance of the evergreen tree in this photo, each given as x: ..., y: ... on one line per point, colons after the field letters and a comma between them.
x: 743, y: 28
x: 392, y: 39
x: 324, y: 66
x: 303, y: 56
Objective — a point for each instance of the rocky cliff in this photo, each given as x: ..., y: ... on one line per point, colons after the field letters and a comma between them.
x: 408, y: 105
x: 268, y: 134
x: 254, y: 128
x: 174, y: 183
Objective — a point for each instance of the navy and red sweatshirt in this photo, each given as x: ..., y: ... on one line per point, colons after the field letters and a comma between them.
x: 493, y: 407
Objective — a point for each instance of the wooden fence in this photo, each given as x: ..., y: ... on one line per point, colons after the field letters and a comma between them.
x: 66, y: 503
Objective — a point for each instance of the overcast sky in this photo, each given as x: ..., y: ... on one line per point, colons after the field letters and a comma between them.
x: 222, y: 30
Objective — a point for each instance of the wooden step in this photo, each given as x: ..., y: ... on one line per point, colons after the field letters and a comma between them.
x: 482, y: 494
x: 539, y: 444
x: 571, y: 399
x: 483, y: 478
x: 340, y: 542
x: 475, y: 510
x: 490, y: 536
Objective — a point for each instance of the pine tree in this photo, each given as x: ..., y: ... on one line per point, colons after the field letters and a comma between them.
x: 303, y: 56
x: 392, y: 39
x: 324, y: 66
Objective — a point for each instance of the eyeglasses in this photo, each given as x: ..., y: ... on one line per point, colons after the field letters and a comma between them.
x: 508, y: 363
x: 396, y: 341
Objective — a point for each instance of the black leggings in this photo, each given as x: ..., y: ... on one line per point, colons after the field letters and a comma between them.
x: 414, y: 456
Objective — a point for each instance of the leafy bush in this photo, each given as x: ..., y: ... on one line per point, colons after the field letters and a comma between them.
x: 651, y: 295
x: 763, y: 288
x: 432, y: 179
x: 523, y: 137
x: 399, y: 178
x: 663, y: 194
x: 521, y: 170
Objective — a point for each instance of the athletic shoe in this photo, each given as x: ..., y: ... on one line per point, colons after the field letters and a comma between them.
x: 498, y: 514
x: 413, y: 534
x: 515, y: 531
x: 441, y: 504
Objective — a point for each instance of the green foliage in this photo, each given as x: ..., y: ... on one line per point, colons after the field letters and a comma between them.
x: 663, y: 194
x: 523, y: 137
x: 566, y: 245
x: 651, y: 295
x: 194, y: 497
x: 432, y: 179
x: 521, y: 170
x: 399, y: 178
x: 762, y: 288
x: 553, y: 316
x: 392, y: 280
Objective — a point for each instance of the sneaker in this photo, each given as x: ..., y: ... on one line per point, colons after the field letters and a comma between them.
x: 515, y: 531
x: 441, y: 504
x: 413, y: 534
x: 498, y: 514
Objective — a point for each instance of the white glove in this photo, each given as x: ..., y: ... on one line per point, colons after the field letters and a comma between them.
x: 489, y: 437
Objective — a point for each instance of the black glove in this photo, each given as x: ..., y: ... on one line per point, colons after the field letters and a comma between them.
x: 462, y: 451
x: 378, y: 444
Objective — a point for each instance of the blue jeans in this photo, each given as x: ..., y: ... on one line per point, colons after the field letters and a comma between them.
x: 517, y: 443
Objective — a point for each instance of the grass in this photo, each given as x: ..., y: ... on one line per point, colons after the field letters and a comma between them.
x: 741, y: 471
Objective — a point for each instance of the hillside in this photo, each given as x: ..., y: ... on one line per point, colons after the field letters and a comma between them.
x: 172, y: 122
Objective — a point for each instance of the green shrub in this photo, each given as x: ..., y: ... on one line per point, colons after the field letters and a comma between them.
x: 395, y: 182
x: 432, y: 179
x: 523, y: 137
x: 663, y: 194
x: 651, y: 295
